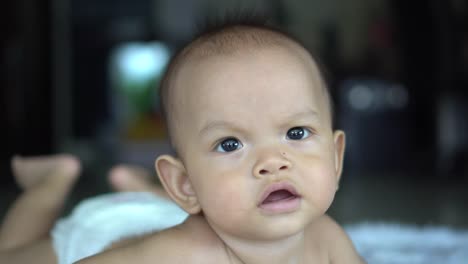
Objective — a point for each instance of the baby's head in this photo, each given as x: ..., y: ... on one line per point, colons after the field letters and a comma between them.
x: 228, y: 39
x: 250, y: 119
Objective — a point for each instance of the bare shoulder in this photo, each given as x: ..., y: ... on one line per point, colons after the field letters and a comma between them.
x: 191, y: 242
x: 335, y: 241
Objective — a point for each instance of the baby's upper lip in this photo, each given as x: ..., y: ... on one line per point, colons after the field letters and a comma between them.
x: 283, y: 185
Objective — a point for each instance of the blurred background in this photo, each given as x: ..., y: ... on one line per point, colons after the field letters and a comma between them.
x: 81, y: 76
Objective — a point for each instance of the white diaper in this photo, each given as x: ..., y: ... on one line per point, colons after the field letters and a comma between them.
x: 99, y: 221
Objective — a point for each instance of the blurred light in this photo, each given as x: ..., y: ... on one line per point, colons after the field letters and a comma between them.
x: 360, y: 97
x: 139, y: 62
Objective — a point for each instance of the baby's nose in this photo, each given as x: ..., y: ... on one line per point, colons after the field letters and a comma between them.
x: 271, y: 165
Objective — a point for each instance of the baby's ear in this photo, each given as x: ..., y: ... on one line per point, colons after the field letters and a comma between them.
x: 175, y: 181
x: 339, y: 139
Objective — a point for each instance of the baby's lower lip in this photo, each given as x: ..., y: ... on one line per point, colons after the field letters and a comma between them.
x: 281, y: 206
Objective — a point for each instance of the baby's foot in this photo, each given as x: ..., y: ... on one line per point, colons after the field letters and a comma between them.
x: 126, y: 178
x: 30, y: 171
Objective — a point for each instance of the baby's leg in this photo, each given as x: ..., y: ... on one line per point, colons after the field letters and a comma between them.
x: 45, y: 181
x: 127, y: 178
x: 39, y: 252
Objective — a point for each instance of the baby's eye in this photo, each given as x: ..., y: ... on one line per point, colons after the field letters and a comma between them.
x: 297, y: 133
x: 228, y: 145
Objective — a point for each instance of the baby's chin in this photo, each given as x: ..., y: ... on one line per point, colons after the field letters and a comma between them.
x: 276, y: 230
x: 281, y: 232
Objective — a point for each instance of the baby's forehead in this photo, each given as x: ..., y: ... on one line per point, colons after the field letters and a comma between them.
x: 205, y: 66
x: 212, y: 76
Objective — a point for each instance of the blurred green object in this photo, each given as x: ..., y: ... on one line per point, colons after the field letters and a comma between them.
x: 136, y: 70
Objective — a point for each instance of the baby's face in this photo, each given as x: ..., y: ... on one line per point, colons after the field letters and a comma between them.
x: 254, y: 134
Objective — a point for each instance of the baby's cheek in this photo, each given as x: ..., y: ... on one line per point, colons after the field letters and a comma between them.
x: 223, y: 209
x: 324, y: 186
x: 224, y: 196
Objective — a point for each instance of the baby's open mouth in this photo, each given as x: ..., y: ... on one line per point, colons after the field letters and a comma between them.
x: 279, y: 195
x: 279, y: 198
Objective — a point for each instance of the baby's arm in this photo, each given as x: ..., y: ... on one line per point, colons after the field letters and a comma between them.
x: 157, y: 247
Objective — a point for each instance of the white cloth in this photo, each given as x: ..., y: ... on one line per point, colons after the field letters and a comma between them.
x: 99, y: 221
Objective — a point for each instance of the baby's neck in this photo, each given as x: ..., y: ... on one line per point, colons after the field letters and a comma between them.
x: 287, y: 250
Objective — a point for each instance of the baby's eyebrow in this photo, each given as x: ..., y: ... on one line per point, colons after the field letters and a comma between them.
x: 303, y: 114
x: 217, y: 124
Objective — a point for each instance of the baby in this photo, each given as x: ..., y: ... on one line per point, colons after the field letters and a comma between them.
x: 257, y: 163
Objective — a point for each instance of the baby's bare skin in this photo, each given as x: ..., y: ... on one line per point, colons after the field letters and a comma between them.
x: 31, y: 171
x: 220, y: 189
x: 133, y: 178
x: 195, y: 242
